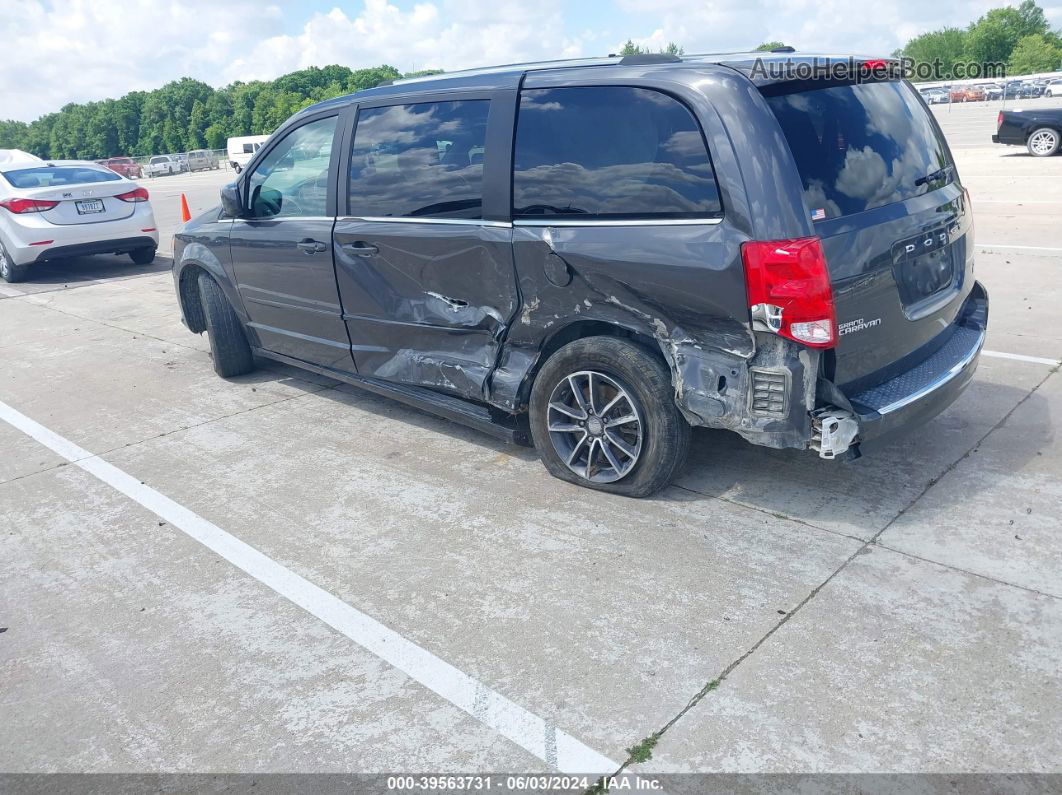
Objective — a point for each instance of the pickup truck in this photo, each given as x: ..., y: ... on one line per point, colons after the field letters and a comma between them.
x: 1039, y: 130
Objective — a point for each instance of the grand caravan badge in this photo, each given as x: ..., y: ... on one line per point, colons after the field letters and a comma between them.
x: 853, y: 326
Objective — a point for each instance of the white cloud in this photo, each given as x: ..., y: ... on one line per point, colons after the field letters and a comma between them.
x: 809, y: 25
x: 451, y: 34
x: 82, y: 50
x: 59, y: 51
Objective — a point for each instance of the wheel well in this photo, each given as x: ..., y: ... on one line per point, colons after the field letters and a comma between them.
x: 191, y: 304
x: 577, y: 331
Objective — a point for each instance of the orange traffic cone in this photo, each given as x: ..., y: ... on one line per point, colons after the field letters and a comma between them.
x: 185, y: 214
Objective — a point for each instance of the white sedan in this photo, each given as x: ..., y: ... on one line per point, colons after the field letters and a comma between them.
x: 69, y: 208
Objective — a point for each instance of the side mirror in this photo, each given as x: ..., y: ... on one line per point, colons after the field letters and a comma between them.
x: 230, y: 201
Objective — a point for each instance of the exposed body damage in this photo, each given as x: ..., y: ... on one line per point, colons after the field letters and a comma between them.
x: 710, y: 363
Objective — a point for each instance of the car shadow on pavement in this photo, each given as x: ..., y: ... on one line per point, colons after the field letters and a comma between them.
x: 386, y: 408
x: 863, y: 495
x: 79, y: 270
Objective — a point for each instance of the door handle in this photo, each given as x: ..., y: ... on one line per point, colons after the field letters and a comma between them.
x: 311, y: 246
x: 360, y: 248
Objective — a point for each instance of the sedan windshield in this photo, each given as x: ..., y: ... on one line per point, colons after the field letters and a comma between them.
x: 50, y: 176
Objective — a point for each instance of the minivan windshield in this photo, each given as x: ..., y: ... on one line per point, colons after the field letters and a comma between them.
x: 861, y: 146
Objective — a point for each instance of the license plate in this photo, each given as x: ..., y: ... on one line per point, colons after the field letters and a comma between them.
x: 89, y: 206
x: 925, y: 265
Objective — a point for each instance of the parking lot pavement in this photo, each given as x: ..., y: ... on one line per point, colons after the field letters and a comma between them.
x: 896, y: 665
x: 897, y: 613
x: 200, y: 189
x: 129, y: 649
x: 1002, y: 521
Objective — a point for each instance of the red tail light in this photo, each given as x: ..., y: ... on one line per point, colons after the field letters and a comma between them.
x: 999, y: 120
x: 138, y: 195
x: 789, y: 289
x: 23, y: 206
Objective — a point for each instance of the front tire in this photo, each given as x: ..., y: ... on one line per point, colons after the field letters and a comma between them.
x: 603, y: 416
x: 1043, y: 142
x: 228, y: 342
x: 9, y: 271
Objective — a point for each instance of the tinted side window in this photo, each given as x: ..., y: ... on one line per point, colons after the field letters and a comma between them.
x: 292, y: 180
x: 610, y: 152
x: 421, y: 160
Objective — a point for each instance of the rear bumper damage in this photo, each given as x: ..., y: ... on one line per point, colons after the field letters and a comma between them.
x: 778, y: 398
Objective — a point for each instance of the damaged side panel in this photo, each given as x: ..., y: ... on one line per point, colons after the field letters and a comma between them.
x: 429, y: 306
x: 686, y: 311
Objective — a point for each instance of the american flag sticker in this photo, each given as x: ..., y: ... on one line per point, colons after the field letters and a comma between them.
x: 818, y: 215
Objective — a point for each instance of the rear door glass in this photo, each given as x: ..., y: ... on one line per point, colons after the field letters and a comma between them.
x: 861, y: 146
x: 610, y: 152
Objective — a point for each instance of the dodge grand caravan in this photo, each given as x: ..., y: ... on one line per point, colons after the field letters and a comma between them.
x: 595, y: 256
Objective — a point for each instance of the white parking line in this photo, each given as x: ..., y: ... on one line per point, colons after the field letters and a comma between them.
x: 10, y: 292
x: 555, y: 747
x: 1020, y: 248
x: 1020, y: 357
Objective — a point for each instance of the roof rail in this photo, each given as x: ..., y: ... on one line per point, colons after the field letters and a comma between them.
x: 513, y: 67
x: 649, y: 57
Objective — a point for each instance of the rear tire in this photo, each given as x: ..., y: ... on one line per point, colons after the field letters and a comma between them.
x: 1043, y: 142
x: 9, y: 271
x: 656, y: 437
x: 143, y: 256
x: 228, y: 342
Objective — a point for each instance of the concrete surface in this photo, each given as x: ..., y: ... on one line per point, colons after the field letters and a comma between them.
x: 897, y: 665
x: 900, y: 613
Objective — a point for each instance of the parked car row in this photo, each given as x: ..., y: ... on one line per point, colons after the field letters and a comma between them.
x: 197, y: 160
x: 1011, y: 89
x: 161, y: 165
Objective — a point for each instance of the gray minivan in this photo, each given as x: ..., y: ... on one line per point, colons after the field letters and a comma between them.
x: 595, y: 256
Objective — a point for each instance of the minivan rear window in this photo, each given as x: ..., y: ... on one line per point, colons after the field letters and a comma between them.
x: 858, y: 147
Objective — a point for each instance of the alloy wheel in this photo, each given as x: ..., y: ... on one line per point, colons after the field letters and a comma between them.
x: 595, y: 426
x: 1043, y: 142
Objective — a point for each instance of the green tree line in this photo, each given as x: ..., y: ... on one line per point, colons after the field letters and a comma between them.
x: 183, y: 115
x: 1018, y: 37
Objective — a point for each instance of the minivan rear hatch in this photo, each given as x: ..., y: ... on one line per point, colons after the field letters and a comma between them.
x: 882, y: 192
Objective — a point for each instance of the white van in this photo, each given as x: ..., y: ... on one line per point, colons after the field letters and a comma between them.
x: 242, y: 149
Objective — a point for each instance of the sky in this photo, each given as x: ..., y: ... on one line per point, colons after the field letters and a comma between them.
x: 60, y: 51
